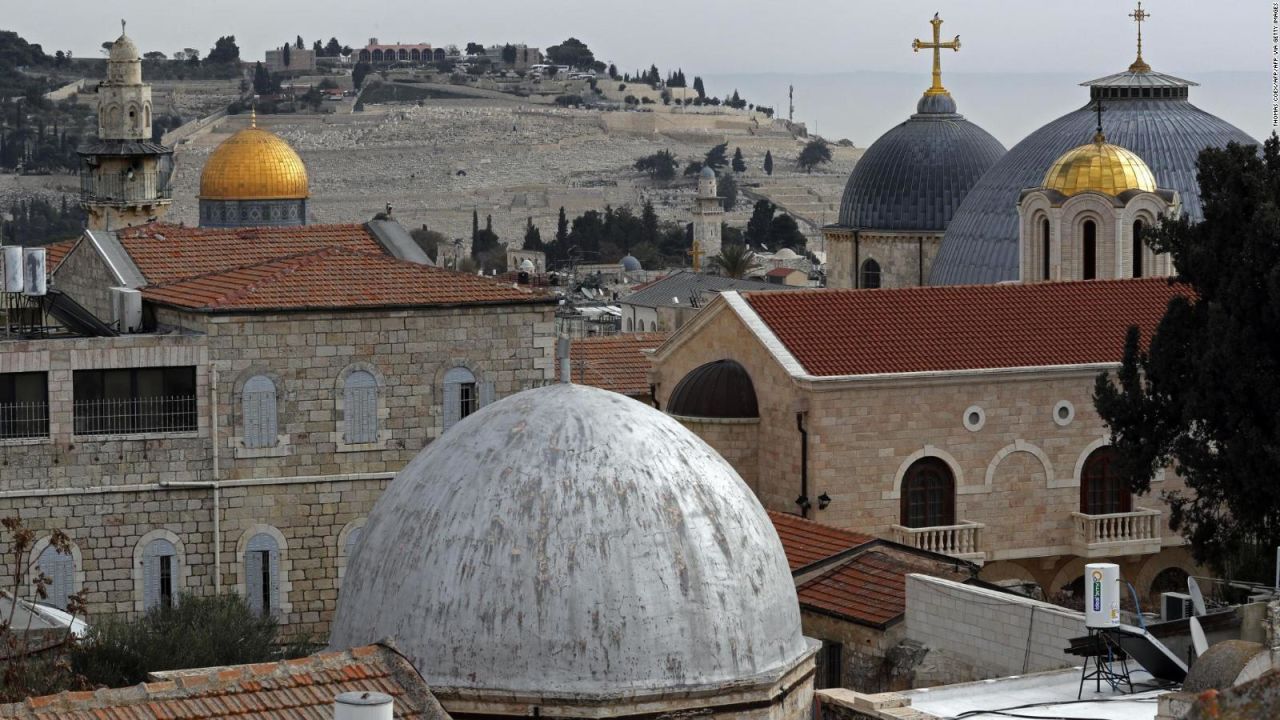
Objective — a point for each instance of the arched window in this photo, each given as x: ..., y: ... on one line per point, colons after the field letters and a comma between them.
x: 463, y: 395
x: 629, y: 324
x: 928, y: 494
x: 258, y: 411
x: 1137, y: 248
x: 360, y: 408
x: 262, y: 574
x: 1044, y: 248
x: 61, y: 570
x: 159, y: 574
x: 870, y: 274
x: 1090, y: 246
x: 1102, y: 490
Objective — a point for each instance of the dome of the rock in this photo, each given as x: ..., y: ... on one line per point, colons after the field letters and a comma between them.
x: 253, y: 178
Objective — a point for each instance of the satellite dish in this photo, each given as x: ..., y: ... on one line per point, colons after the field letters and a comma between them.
x: 1197, y: 598
x: 1198, y: 640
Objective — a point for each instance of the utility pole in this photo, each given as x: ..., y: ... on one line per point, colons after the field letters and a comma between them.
x: 791, y: 102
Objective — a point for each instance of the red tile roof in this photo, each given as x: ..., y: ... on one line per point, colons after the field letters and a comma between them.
x: 54, y: 253
x: 781, y: 272
x: 301, y: 689
x: 806, y: 542
x: 858, y: 332
x: 335, y: 277
x: 871, y: 588
x: 165, y: 253
x: 613, y: 362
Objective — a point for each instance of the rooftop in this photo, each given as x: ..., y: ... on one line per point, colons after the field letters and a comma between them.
x: 614, y: 362
x: 677, y: 289
x: 302, y: 689
x: 1052, y: 693
x: 870, y: 588
x: 806, y: 542
x: 864, y: 332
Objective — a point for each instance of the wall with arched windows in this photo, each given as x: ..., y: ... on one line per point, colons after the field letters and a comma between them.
x: 65, y: 571
x: 160, y: 569
x: 262, y: 569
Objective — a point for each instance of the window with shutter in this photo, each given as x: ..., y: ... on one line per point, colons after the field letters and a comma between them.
x: 61, y: 570
x: 262, y: 574
x: 460, y: 395
x: 258, y: 405
x: 360, y: 408
x: 159, y: 571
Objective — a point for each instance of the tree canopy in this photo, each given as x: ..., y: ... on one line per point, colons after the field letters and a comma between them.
x: 572, y: 52
x: 735, y: 260
x: 224, y: 51
x: 1203, y: 395
x: 739, y: 162
x: 660, y: 165
x: 816, y: 152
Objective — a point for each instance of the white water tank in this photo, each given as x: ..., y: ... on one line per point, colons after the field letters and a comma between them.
x: 363, y: 706
x: 126, y: 309
x: 12, y: 261
x: 1102, y: 595
x: 34, y: 273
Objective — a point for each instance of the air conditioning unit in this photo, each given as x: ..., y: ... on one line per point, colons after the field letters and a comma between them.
x: 126, y: 309
x: 1175, y: 606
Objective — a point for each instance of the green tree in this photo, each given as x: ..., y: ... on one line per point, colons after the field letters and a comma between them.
x: 735, y: 260
x: 332, y: 48
x: 359, y: 73
x: 717, y: 157
x: 739, y: 162
x: 728, y: 190
x: 474, y: 48
x: 785, y: 233
x: 429, y: 240
x: 225, y: 51
x: 1203, y: 396
x: 562, y: 229
x: 816, y: 152
x: 509, y: 54
x: 761, y: 221
x: 699, y: 88
x: 262, y: 83
x: 300, y: 44
x: 660, y: 165
x: 533, y: 236
x: 285, y: 56
x: 648, y: 224
x: 768, y: 163
x: 572, y: 52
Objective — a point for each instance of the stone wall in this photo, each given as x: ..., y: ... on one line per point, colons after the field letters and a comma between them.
x: 734, y: 439
x: 863, y: 650
x: 904, y: 258
x: 86, y: 278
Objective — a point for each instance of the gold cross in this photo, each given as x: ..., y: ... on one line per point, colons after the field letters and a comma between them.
x: 937, y: 46
x: 1139, y: 16
x: 696, y: 253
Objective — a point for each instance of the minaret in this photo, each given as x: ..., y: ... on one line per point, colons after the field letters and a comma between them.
x: 124, y: 177
x: 708, y: 213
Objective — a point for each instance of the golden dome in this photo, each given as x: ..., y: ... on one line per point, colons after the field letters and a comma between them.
x: 254, y: 164
x: 1099, y: 167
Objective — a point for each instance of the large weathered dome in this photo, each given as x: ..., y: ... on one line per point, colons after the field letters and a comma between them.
x: 915, y: 176
x: 1147, y: 112
x: 570, y: 542
x: 254, y: 164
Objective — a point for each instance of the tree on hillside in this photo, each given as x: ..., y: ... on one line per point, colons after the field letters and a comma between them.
x: 299, y: 44
x: 734, y: 261
x: 757, y: 233
x: 474, y: 48
x: 816, y: 152
x: 699, y: 88
x: 739, y: 162
x: 430, y: 241
x: 648, y: 224
x: 359, y: 73
x: 485, y: 248
x: 262, y: 83
x: 533, y: 236
x: 285, y: 56
x: 225, y: 51
x: 317, y: 47
x: 509, y: 54
x: 785, y: 233
x: 332, y: 48
x: 660, y: 165
x: 153, y: 55
x: 1203, y: 395
x: 572, y: 52
x: 613, y: 71
x: 728, y: 190
x: 768, y: 162
x: 562, y: 228
x: 717, y: 157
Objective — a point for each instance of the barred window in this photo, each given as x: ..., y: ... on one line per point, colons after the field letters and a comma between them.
x: 463, y: 395
x: 135, y: 400
x: 360, y: 408
x: 258, y: 410
x: 262, y: 574
x: 24, y: 405
x: 870, y: 274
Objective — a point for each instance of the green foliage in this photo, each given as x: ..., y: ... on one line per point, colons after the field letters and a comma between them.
x: 735, y: 260
x: 785, y: 233
x: 474, y: 48
x: 572, y: 52
x: 39, y: 222
x: 739, y: 162
x: 717, y: 157
x: 263, y: 83
x: 699, y: 88
x: 569, y: 100
x: 333, y: 48
x: 225, y: 51
x: 359, y: 73
x: 533, y: 237
x: 660, y: 165
x: 509, y: 54
x: 816, y: 152
x: 757, y: 233
x: 198, y: 632
x: 729, y: 192
x: 1203, y: 396
x: 429, y: 241
x: 768, y: 163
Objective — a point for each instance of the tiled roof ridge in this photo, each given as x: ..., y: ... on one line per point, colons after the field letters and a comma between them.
x: 1010, y: 286
x: 151, y: 230
x: 288, y: 264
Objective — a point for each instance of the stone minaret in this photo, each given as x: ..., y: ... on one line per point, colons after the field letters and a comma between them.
x: 708, y: 213
x: 124, y: 177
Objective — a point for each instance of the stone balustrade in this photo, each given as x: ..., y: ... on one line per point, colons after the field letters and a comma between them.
x: 1127, y: 533
x: 962, y: 541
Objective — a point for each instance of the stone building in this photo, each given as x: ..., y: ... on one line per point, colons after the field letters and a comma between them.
x: 708, y: 214
x: 958, y: 419
x: 417, y: 53
x: 669, y: 302
x: 274, y: 382
x: 299, y: 61
x: 905, y: 188
x: 125, y: 178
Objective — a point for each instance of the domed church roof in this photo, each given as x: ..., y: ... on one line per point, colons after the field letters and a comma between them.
x: 569, y: 542
x: 1101, y: 167
x: 1148, y: 113
x: 254, y: 164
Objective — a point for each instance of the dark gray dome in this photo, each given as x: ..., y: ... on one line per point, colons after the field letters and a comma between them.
x: 915, y: 176
x: 569, y: 542
x: 720, y: 389
x: 1159, y: 124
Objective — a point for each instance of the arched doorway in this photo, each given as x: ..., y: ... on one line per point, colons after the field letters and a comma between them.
x: 928, y: 494
x: 1102, y: 490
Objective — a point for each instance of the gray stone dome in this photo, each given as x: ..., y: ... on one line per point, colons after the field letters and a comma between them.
x: 707, y: 172
x: 571, y: 542
x: 630, y: 264
x: 1148, y: 113
x: 915, y: 176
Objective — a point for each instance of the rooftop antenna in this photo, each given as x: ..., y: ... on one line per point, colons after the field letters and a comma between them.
x: 1139, y: 16
x: 791, y: 102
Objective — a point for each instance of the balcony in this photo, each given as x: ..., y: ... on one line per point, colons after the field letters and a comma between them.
x: 137, y: 188
x: 963, y: 541
x: 1117, y: 534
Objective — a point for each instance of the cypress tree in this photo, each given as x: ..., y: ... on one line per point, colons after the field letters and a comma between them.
x: 768, y: 163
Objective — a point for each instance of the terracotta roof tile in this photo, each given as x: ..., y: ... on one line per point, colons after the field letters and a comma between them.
x: 859, y: 332
x: 806, y: 542
x: 335, y: 277
x: 302, y: 689
x: 871, y: 587
x: 613, y: 362
x: 55, y: 252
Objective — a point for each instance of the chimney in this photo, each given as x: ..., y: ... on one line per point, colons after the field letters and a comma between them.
x: 363, y: 706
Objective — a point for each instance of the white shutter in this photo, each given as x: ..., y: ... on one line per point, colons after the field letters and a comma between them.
x: 486, y: 394
x: 61, y: 570
x: 360, y: 408
x: 151, y: 555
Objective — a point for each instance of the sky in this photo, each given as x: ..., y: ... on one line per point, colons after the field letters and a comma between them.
x: 701, y: 36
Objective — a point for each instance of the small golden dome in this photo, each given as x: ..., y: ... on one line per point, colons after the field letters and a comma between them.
x: 1101, y: 167
x: 254, y: 164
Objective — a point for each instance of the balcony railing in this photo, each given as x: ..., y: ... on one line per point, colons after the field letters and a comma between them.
x: 112, y: 187
x: 1128, y: 533
x: 127, y: 416
x: 24, y: 420
x: 962, y: 541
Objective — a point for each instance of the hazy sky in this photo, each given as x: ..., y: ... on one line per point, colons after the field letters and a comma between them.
x: 701, y: 36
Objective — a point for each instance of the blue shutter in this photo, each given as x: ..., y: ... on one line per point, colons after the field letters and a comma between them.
x: 61, y: 570
x: 151, y: 555
x: 452, y: 395
x: 360, y: 408
x: 258, y: 403
x: 262, y: 542
x: 486, y: 393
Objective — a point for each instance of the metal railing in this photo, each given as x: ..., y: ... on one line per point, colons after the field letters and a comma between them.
x: 962, y: 541
x: 137, y: 187
x: 122, y: 416
x: 1117, y: 530
x: 21, y: 420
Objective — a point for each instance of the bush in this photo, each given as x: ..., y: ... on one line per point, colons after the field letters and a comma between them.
x: 198, y: 632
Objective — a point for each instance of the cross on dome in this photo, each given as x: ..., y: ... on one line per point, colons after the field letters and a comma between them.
x: 1139, y: 16
x: 937, y: 46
